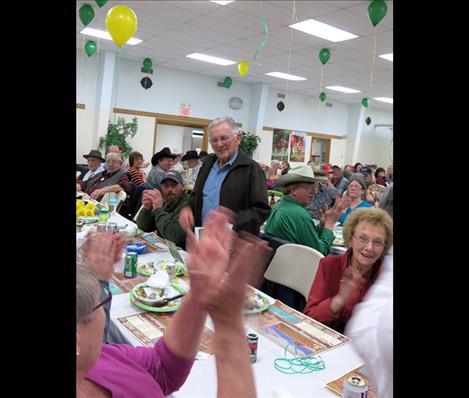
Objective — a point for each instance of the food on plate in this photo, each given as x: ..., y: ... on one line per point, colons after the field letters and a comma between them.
x: 252, y: 301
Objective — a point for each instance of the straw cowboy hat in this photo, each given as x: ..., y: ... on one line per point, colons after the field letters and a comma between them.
x: 298, y: 174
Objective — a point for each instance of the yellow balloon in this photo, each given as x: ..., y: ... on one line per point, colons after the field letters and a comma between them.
x: 121, y: 23
x: 243, y: 67
x: 80, y: 203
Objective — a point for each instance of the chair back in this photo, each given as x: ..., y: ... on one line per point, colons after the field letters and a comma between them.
x: 120, y: 198
x: 137, y: 213
x: 78, y: 174
x: 294, y: 266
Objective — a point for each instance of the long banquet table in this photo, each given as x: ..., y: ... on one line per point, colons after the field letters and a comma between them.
x: 269, y: 381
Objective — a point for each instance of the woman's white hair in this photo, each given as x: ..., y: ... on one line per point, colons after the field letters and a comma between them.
x: 87, y: 286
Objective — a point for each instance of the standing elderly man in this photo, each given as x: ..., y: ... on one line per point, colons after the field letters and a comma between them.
x: 290, y: 221
x: 113, y: 179
x: 95, y: 164
x: 161, y: 210
x: 228, y: 178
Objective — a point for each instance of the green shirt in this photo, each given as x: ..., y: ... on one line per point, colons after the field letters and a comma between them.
x: 290, y: 221
x: 165, y: 220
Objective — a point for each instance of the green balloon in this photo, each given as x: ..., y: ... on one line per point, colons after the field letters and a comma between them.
x: 100, y: 3
x: 86, y: 14
x: 324, y: 55
x: 376, y: 11
x: 147, y: 64
x: 90, y: 48
x: 365, y: 102
x: 228, y: 82
x: 322, y: 97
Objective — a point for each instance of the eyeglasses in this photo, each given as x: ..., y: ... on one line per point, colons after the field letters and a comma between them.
x: 222, y: 139
x: 104, y: 302
x: 363, y: 239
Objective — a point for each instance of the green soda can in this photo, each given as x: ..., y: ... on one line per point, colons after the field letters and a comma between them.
x: 130, y: 265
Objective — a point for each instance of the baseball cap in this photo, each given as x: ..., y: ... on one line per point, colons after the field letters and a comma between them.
x: 173, y: 175
x: 365, y: 171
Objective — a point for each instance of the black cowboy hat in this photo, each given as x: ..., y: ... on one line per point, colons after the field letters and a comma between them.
x: 95, y: 154
x: 164, y: 153
x: 190, y: 155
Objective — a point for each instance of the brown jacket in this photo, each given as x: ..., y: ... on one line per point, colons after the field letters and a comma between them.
x: 243, y: 191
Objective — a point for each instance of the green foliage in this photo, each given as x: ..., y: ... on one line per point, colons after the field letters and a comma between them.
x: 271, y: 192
x: 118, y: 133
x: 249, y: 143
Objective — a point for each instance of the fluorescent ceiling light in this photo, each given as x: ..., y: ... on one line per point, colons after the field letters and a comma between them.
x: 343, y: 89
x: 389, y: 56
x: 285, y: 76
x: 208, y: 58
x: 102, y: 34
x: 222, y: 3
x: 384, y: 99
x: 323, y: 30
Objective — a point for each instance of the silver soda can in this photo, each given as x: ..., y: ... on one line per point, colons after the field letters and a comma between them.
x: 112, y: 227
x: 355, y: 386
x: 101, y: 227
x: 252, y: 342
x: 130, y: 265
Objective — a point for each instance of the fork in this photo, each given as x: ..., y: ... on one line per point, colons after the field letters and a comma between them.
x: 165, y: 301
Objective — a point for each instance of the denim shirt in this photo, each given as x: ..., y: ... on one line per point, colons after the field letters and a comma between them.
x: 212, y: 186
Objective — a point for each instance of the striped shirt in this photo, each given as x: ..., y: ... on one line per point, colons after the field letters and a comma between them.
x: 136, y: 176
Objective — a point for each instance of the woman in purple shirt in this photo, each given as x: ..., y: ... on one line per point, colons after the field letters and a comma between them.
x: 118, y: 370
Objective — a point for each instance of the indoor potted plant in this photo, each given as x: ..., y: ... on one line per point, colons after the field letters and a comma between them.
x: 118, y: 133
x: 249, y: 142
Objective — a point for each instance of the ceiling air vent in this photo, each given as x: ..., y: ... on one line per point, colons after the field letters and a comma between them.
x: 328, y: 104
x: 280, y: 95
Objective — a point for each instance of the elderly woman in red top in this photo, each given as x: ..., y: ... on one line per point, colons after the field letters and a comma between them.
x: 342, y: 281
x: 137, y: 175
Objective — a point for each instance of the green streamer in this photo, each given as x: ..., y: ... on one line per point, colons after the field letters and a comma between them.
x: 299, y: 365
x: 261, y: 46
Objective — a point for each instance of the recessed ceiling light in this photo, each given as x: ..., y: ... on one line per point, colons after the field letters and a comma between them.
x: 323, y: 30
x: 102, y: 34
x: 389, y: 56
x: 343, y: 89
x: 384, y: 99
x: 222, y: 3
x: 285, y: 76
x: 209, y: 58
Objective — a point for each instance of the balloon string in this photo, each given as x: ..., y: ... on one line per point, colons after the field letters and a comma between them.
x: 117, y: 84
x: 261, y: 46
x: 320, y: 83
x: 372, y: 64
x: 294, y: 17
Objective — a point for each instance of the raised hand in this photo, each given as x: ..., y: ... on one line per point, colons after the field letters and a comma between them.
x: 186, y: 218
x: 152, y: 199
x: 101, y: 251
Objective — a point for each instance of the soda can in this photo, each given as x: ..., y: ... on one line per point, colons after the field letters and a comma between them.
x: 101, y: 227
x: 355, y: 386
x: 104, y: 215
x: 112, y: 227
x: 130, y: 265
x: 252, y: 342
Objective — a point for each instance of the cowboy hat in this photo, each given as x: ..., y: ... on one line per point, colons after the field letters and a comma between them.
x: 298, y: 174
x: 190, y: 155
x: 95, y: 154
x: 164, y: 153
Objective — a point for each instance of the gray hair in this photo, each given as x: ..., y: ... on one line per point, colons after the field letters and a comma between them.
x: 87, y: 286
x: 225, y: 119
x: 114, y: 156
x: 386, y: 201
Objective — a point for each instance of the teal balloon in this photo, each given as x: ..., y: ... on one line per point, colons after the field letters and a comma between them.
x: 376, y: 11
x: 324, y: 55
x: 147, y: 64
x: 100, y: 3
x: 228, y: 82
x: 322, y: 97
x: 86, y: 14
x: 365, y: 102
x: 90, y: 48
